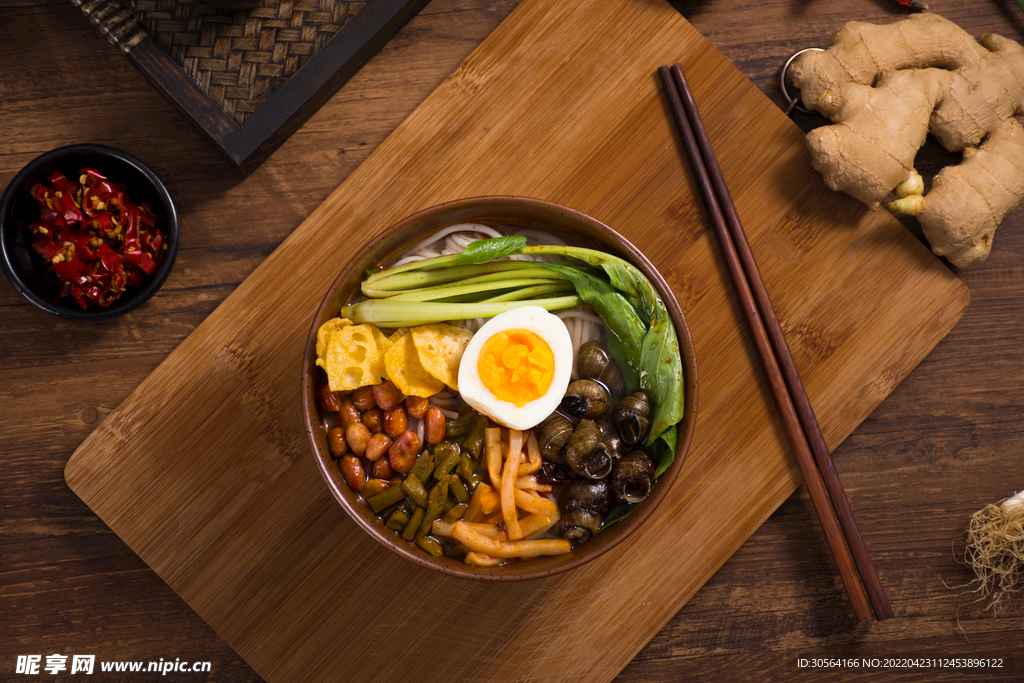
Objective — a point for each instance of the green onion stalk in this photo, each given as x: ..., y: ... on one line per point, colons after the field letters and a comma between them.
x: 474, y: 284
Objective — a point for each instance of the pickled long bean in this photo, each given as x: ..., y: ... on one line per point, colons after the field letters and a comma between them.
x: 414, y: 524
x: 386, y: 498
x: 466, y: 467
x: 435, y: 505
x: 397, y: 521
x: 456, y: 513
x: 459, y: 426
x: 474, y: 442
x: 430, y: 545
x: 423, y: 465
x: 448, y: 463
x: 458, y: 490
x: 415, y: 490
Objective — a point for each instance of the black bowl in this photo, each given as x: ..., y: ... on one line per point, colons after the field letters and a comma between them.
x: 26, y: 269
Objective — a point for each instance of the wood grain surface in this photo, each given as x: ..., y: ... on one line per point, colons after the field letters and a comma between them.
x: 942, y: 445
x: 205, y: 471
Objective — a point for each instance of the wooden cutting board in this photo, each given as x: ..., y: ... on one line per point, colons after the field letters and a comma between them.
x: 205, y: 471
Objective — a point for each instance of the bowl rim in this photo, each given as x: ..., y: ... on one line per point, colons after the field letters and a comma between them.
x: 142, y: 294
x: 489, y: 205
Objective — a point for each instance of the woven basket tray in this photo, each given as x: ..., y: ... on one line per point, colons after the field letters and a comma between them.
x: 222, y: 67
x: 239, y: 58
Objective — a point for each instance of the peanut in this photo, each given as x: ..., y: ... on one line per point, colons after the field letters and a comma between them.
x: 358, y: 436
x: 330, y: 401
x: 348, y: 414
x: 374, y: 486
x: 382, y: 469
x: 387, y: 396
x: 377, y: 447
x: 362, y: 398
x: 374, y: 420
x: 395, y: 422
x: 417, y: 406
x: 403, y: 451
x: 336, y: 442
x: 434, y: 427
x: 353, y: 471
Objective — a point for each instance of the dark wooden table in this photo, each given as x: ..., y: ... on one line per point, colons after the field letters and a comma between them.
x: 946, y: 442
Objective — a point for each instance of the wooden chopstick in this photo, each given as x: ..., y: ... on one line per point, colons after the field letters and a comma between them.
x: 823, y: 484
x: 812, y: 431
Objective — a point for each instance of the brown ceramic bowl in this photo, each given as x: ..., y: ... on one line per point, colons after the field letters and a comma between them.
x: 522, y: 212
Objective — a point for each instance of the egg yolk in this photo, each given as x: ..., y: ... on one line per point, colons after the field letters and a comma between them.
x: 516, y: 366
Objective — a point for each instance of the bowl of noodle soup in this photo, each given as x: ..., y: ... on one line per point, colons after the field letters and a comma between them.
x: 446, y: 230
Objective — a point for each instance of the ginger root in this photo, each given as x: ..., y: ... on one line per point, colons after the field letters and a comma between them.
x: 968, y: 201
x: 885, y: 88
x: 871, y: 147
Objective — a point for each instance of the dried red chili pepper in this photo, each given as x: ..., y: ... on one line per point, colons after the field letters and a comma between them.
x: 914, y: 4
x: 69, y: 208
x: 111, y: 259
x: 98, y: 182
x: 97, y: 242
x: 153, y: 241
x: 47, y: 247
x: 67, y: 270
x: 134, y: 276
x: 85, y: 245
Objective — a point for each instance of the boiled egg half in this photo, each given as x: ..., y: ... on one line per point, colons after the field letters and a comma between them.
x: 517, y: 366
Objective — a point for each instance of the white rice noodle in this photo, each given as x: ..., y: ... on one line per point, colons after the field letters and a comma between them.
x: 447, y: 399
x: 583, y: 326
x: 537, y: 237
x: 450, y: 414
x: 450, y: 240
x: 420, y: 255
x: 457, y: 242
x: 416, y: 426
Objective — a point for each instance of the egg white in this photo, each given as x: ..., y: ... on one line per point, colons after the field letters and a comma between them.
x: 548, y: 327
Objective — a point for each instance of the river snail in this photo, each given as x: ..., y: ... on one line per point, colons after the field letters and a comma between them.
x: 595, y: 362
x: 586, y: 398
x: 631, y: 477
x: 584, y: 452
x: 583, y: 502
x: 611, y: 444
x: 554, y: 434
x: 632, y: 417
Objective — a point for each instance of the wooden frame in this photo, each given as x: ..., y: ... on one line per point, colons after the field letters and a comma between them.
x: 246, y: 146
